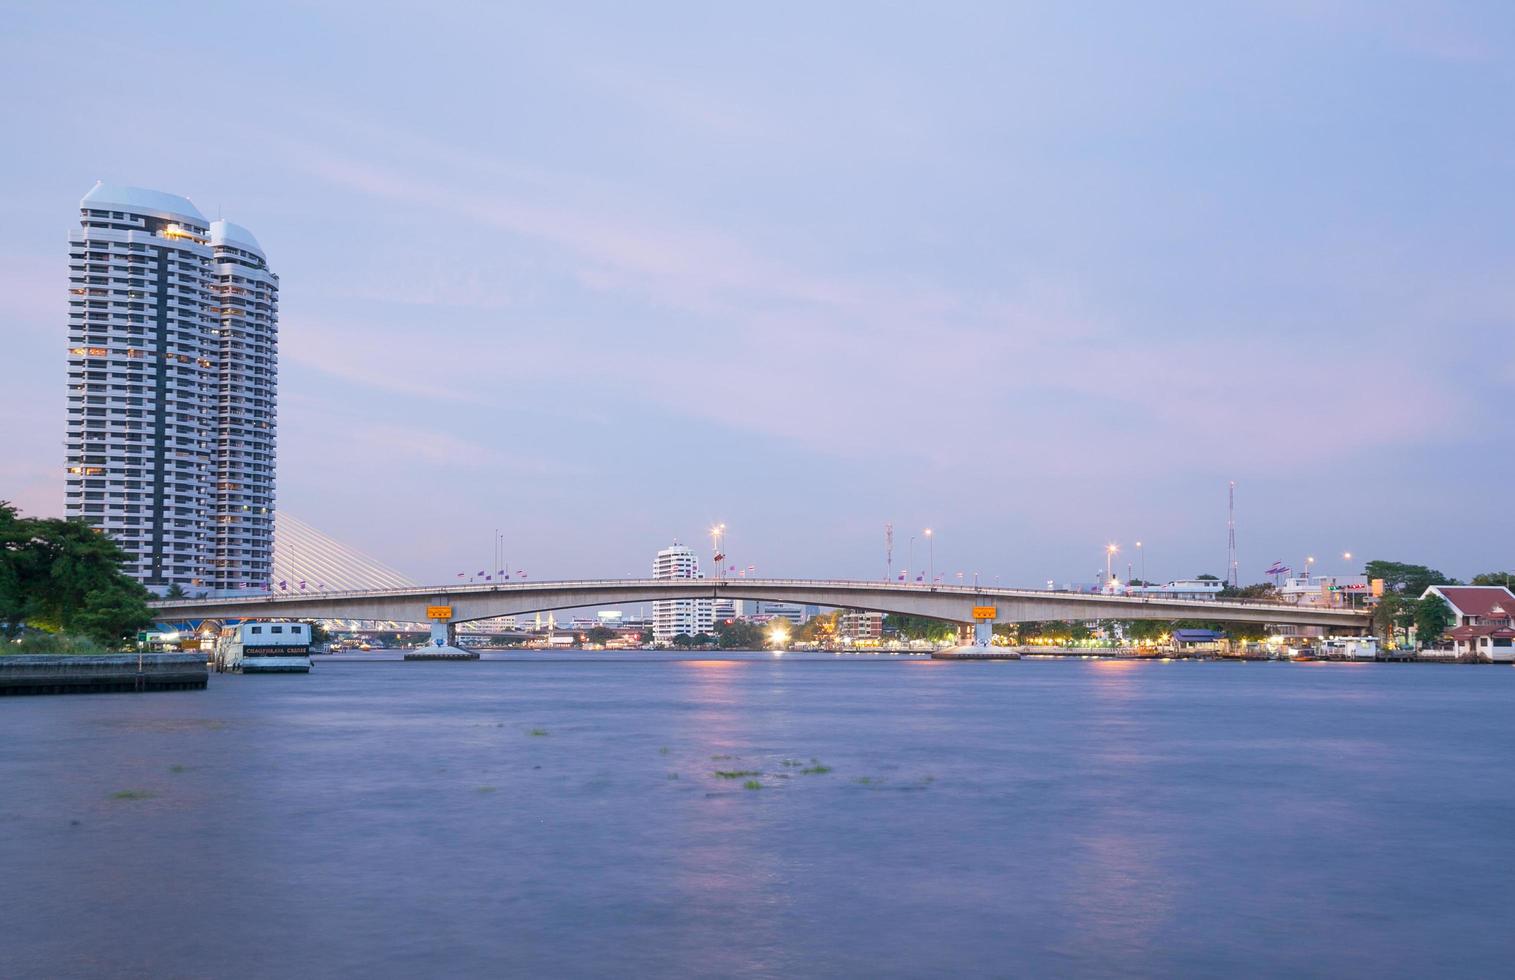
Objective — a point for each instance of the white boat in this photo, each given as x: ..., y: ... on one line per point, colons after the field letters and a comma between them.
x: 264, y: 648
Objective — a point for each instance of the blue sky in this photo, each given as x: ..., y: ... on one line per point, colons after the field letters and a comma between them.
x: 1039, y: 276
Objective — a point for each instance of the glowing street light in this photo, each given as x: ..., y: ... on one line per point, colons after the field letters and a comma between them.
x: 717, y: 532
x: 931, y: 561
x: 1110, y: 551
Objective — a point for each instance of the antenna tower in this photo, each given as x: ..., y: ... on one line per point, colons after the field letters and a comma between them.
x: 889, y: 551
x: 1231, y: 537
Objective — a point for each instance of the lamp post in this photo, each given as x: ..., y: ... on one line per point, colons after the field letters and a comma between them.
x: 931, y: 560
x: 1110, y: 551
x: 1143, y: 555
x: 717, y: 532
x: 912, y: 559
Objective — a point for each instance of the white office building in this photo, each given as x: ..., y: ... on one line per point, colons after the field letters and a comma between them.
x: 149, y: 328
x: 670, y: 617
x: 723, y: 609
x: 792, y: 611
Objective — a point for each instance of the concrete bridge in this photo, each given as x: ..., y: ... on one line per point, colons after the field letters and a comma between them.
x: 446, y: 606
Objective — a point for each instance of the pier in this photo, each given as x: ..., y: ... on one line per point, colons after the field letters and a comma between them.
x: 103, y: 673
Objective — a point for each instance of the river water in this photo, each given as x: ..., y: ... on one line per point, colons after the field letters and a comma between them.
x: 560, y: 816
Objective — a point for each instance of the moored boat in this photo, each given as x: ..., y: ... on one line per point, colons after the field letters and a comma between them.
x: 264, y: 648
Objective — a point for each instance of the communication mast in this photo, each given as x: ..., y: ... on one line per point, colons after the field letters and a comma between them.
x: 1231, y: 537
x: 889, y: 551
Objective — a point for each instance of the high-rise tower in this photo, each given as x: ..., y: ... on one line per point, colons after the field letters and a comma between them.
x: 247, y: 313
x: 157, y: 425
x: 141, y: 380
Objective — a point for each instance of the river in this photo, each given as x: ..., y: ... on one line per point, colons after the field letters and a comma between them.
x: 561, y: 815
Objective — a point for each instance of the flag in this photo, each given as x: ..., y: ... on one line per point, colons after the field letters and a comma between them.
x: 481, y: 571
x: 284, y: 586
x: 902, y: 576
x: 461, y: 574
x: 489, y: 578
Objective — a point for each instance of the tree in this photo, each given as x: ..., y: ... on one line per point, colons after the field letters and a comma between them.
x: 1388, y: 615
x: 1410, y: 580
x: 17, y: 568
x: 175, y: 591
x: 599, y: 635
x: 65, y: 576
x: 1506, y: 579
x: 318, y: 632
x: 683, y: 640
x: 1432, y: 617
x: 1145, y: 629
x: 1207, y: 578
x: 819, y: 629
x: 738, y: 635
x: 918, y: 627
x: 1261, y: 591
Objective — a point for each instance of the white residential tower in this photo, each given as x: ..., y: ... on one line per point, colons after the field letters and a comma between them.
x: 171, y: 372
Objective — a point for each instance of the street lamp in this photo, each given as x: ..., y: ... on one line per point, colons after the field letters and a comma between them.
x: 717, y: 532
x: 1110, y: 552
x: 1143, y: 555
x: 912, y: 560
x: 931, y: 561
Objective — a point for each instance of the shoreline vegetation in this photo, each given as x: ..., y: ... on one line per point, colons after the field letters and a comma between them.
x: 63, y: 588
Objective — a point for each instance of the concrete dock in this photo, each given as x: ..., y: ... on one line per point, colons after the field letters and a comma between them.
x: 102, y: 673
x: 976, y: 653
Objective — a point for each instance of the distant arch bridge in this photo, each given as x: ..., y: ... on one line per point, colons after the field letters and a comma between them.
x: 465, y: 603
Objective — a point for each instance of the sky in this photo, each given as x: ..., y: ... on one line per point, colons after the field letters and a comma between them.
x: 1038, y: 276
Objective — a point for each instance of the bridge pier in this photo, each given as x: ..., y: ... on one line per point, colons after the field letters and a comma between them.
x: 443, y: 634
x: 983, y: 633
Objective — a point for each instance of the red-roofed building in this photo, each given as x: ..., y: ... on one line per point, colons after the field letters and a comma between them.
x: 1483, y: 620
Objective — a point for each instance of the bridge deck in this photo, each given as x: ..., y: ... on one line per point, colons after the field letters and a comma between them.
x: 946, y: 602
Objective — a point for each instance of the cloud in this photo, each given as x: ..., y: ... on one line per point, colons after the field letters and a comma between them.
x: 872, y: 365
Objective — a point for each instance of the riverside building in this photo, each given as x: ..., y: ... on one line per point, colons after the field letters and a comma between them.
x: 172, y: 367
x: 670, y: 617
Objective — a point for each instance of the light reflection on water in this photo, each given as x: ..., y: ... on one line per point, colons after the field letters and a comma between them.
x: 561, y: 816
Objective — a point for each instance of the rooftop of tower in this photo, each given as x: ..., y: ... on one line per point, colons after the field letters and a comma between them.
x: 225, y: 232
x: 141, y: 200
